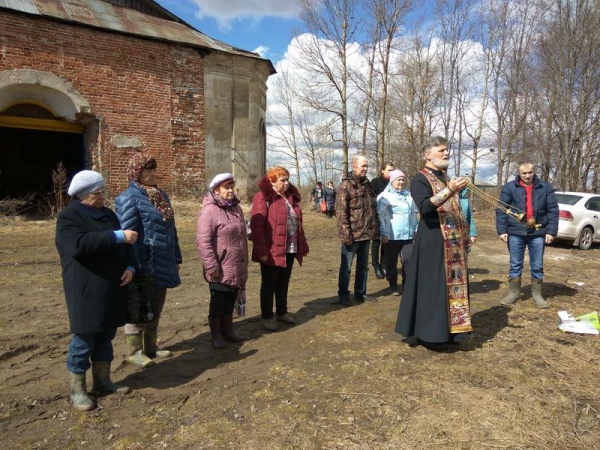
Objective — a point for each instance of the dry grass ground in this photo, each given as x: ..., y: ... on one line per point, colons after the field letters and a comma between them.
x: 341, y: 378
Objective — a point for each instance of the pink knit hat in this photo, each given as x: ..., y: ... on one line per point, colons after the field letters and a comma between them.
x: 395, y: 174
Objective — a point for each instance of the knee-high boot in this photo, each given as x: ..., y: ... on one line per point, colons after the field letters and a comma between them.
x: 150, y: 345
x: 101, y: 379
x: 227, y: 329
x: 136, y: 351
x: 536, y: 293
x: 78, y: 392
x: 514, y: 291
x: 216, y: 332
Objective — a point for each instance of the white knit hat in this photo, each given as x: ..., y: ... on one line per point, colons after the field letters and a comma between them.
x: 85, y: 182
x: 219, y: 179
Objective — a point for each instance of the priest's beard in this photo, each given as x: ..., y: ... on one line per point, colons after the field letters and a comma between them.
x: 442, y: 165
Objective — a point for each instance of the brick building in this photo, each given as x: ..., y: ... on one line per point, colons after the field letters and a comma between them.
x: 88, y: 82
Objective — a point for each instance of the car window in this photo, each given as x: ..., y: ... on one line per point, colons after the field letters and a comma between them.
x: 593, y: 204
x: 568, y: 199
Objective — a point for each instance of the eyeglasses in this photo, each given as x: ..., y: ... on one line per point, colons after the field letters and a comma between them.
x: 98, y: 192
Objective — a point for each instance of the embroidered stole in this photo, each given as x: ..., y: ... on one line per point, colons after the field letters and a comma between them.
x: 455, y: 233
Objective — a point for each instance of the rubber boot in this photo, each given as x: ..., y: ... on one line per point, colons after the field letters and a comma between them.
x: 536, y: 293
x: 227, y: 329
x: 78, y: 393
x: 215, y: 331
x: 102, y: 382
x: 394, y: 287
x: 514, y: 291
x: 136, y: 351
x: 151, y: 348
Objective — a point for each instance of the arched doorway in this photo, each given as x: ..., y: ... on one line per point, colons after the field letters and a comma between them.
x: 33, y: 141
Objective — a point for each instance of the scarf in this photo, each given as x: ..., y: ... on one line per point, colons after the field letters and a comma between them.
x: 454, y: 231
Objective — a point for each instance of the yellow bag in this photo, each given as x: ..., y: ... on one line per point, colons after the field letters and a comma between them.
x: 591, y: 318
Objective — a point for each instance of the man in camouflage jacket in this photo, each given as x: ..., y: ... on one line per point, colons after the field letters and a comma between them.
x: 358, y: 224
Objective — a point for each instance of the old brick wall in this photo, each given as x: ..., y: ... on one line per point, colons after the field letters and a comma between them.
x: 136, y: 88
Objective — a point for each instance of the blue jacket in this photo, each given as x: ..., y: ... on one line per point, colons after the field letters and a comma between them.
x: 397, y: 214
x: 545, y: 209
x: 157, y: 244
x: 330, y: 198
x: 467, y: 212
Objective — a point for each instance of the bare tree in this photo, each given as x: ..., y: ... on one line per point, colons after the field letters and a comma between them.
x: 284, y: 123
x: 509, y: 31
x: 415, y: 103
x: 569, y: 91
x: 332, y: 25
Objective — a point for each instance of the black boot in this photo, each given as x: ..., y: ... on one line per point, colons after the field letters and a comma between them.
x: 394, y: 287
x: 378, y: 272
x: 216, y: 332
x: 227, y: 330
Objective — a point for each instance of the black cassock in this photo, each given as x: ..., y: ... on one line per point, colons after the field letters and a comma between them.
x: 424, y: 308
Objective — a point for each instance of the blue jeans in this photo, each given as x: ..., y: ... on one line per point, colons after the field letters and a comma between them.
x: 516, y: 250
x: 361, y: 250
x: 94, y: 346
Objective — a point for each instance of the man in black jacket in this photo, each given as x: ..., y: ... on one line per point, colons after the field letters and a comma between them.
x: 377, y: 249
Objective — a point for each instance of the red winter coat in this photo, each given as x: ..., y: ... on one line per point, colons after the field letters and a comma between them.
x: 268, y: 224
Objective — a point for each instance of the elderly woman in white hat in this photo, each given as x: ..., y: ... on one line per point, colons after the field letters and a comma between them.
x: 97, y: 263
x: 223, y: 246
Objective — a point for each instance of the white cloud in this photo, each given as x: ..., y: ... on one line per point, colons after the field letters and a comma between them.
x: 225, y: 11
x: 262, y: 50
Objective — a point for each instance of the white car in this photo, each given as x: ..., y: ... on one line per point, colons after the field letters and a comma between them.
x: 579, y: 218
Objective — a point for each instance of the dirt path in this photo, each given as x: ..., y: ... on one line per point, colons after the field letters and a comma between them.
x: 339, y: 379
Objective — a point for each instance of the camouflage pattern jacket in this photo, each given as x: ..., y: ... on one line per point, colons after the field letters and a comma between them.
x: 356, y: 210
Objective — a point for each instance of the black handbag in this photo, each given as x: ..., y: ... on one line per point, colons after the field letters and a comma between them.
x: 141, y: 298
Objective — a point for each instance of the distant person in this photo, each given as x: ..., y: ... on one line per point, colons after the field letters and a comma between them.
x: 435, y: 305
x: 465, y: 206
x: 145, y: 208
x: 223, y: 247
x: 536, y: 198
x: 330, y: 199
x: 97, y: 262
x: 358, y: 224
x: 278, y: 239
x: 398, y: 225
x: 378, y: 260
x: 318, y: 193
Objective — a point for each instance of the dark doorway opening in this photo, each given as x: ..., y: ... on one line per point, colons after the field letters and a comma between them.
x: 28, y: 157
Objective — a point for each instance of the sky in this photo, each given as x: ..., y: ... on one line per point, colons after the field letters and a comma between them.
x: 261, y: 26
x: 266, y: 27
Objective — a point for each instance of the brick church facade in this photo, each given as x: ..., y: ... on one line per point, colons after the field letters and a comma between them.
x: 87, y: 83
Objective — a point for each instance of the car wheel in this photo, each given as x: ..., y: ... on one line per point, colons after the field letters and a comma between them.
x: 586, y: 238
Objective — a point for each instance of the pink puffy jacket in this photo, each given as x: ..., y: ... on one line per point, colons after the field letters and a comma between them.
x: 222, y: 242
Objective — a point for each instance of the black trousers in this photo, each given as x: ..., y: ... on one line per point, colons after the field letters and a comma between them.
x: 275, y: 282
x: 221, y: 303
x: 393, y: 249
x: 378, y: 248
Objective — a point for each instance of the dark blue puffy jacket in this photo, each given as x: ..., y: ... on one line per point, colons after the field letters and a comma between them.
x: 157, y: 248
x: 545, y: 209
